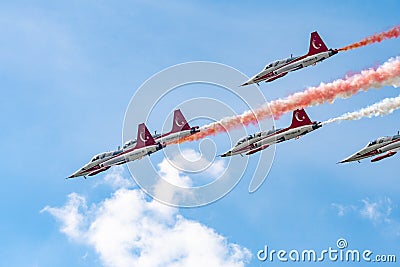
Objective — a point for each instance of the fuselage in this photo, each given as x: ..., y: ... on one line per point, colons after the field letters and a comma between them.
x: 130, y: 152
x: 387, y: 144
x: 173, y: 137
x: 131, y: 155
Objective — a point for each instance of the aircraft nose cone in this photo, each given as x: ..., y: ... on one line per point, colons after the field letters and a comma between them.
x: 77, y: 173
x: 247, y: 83
x: 226, y: 154
x: 72, y: 176
x: 344, y: 160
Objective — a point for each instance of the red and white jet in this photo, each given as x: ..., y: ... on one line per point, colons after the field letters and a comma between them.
x: 316, y: 53
x: 145, y: 145
x: 389, y: 145
x: 301, y: 125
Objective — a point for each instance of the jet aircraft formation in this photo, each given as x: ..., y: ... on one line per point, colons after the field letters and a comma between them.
x: 146, y: 144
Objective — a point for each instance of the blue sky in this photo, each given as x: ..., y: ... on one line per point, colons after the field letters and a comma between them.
x: 69, y: 69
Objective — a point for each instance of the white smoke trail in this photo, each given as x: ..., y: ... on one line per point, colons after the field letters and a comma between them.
x: 382, y: 108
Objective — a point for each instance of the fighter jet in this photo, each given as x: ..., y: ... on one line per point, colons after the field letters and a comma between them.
x: 389, y: 145
x: 145, y: 145
x: 301, y: 125
x: 316, y: 53
x: 93, y: 166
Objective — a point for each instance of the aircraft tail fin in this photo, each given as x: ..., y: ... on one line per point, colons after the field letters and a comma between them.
x: 144, y: 137
x: 300, y: 118
x: 179, y: 122
x: 316, y: 44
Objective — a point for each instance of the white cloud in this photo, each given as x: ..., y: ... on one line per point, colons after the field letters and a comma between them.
x: 340, y: 209
x: 114, y: 178
x: 128, y: 230
x: 175, y: 186
x: 343, y: 209
x: 191, y: 160
x: 172, y: 175
x: 377, y: 211
x: 217, y: 168
x: 71, y: 218
x: 380, y: 212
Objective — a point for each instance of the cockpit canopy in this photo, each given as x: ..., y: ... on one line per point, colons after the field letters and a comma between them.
x: 105, y: 155
x: 381, y: 140
x: 258, y: 134
x: 244, y: 139
x: 272, y: 65
x: 129, y: 143
x: 280, y: 62
x: 272, y: 131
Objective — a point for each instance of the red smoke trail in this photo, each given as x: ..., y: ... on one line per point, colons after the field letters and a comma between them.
x: 379, y: 37
x: 387, y: 74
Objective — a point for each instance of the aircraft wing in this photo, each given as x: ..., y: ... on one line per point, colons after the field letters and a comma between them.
x: 255, y: 150
x: 98, y: 171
